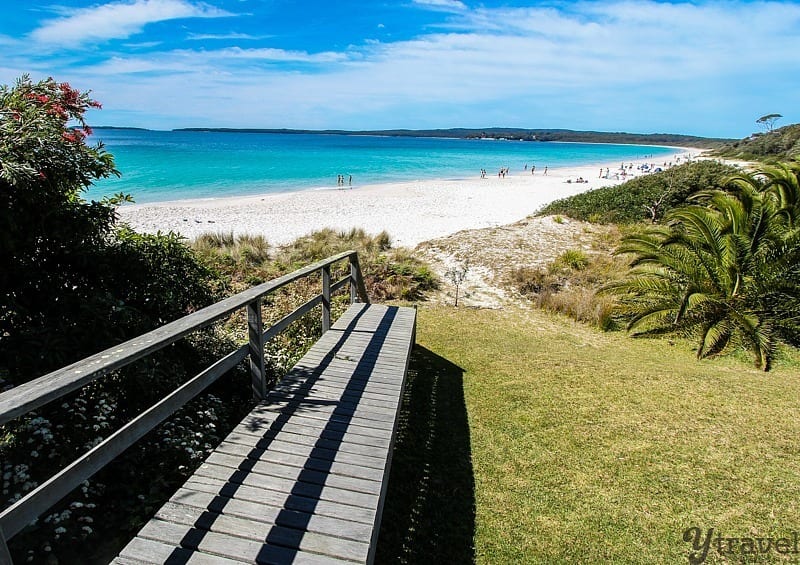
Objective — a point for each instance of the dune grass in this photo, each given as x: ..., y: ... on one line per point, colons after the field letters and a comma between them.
x: 558, y: 443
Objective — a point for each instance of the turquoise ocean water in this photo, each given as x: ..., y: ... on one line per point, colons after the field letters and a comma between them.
x: 175, y: 165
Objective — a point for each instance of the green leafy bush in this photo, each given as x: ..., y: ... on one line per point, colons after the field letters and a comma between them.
x: 645, y: 198
x: 782, y: 143
x: 574, y: 259
x: 724, y: 271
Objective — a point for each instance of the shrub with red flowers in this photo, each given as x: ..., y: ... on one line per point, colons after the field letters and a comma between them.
x: 40, y: 142
x: 74, y: 282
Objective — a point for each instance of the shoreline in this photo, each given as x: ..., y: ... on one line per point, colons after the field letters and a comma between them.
x: 410, y: 211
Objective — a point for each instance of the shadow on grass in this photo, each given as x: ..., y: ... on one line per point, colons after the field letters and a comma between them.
x: 429, y: 514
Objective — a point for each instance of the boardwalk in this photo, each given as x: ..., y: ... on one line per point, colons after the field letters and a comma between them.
x: 302, y: 479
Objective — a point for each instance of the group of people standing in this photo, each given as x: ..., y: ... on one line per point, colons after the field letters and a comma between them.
x: 504, y: 171
x: 340, y: 180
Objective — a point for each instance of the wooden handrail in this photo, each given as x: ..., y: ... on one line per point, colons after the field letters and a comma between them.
x: 38, y: 392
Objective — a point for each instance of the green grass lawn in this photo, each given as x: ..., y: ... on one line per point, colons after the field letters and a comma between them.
x: 529, y: 438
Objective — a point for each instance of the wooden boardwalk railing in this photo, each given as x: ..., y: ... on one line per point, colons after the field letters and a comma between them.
x: 363, y: 360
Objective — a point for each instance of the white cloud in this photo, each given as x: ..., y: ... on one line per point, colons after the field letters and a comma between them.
x: 204, y: 36
x: 221, y: 62
x: 117, y: 20
x: 636, y: 66
x: 446, y: 4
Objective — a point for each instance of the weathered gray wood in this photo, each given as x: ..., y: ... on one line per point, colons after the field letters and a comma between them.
x: 279, y: 448
x: 269, y: 438
x: 259, y: 531
x: 357, y: 287
x: 306, y: 471
x: 326, y: 298
x: 335, y: 287
x: 228, y: 546
x: 24, y: 511
x: 145, y: 551
x: 295, y: 502
x: 38, y: 392
x: 255, y: 334
x: 334, y: 435
x: 295, y: 314
x: 261, y: 512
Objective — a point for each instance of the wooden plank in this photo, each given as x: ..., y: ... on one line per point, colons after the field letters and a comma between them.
x: 252, y: 491
x: 292, y: 439
x: 143, y: 551
x: 259, y: 531
x: 265, y: 513
x: 271, y: 471
x: 333, y: 435
x: 279, y: 447
x: 230, y: 547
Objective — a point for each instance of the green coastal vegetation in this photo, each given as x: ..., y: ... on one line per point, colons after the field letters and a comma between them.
x: 530, y: 434
x: 510, y: 134
x: 779, y: 144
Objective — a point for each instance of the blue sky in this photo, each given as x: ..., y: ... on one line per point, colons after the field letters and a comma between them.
x: 703, y: 68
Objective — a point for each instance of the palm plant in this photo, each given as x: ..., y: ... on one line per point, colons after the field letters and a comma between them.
x: 724, y: 269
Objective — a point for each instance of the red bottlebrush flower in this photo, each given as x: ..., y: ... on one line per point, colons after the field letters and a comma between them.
x: 87, y: 130
x: 69, y: 94
x: 95, y: 104
x: 42, y: 175
x: 69, y: 136
x: 58, y: 110
x: 16, y: 115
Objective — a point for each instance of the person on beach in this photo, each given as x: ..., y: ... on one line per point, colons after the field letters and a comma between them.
x: 533, y: 169
x: 350, y: 181
x: 545, y: 170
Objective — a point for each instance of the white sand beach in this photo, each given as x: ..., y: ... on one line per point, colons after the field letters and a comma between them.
x: 411, y: 212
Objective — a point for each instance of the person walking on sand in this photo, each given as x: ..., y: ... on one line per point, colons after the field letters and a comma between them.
x: 545, y: 170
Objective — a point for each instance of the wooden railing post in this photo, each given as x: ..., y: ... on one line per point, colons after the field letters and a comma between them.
x: 358, y: 291
x: 353, y: 279
x: 255, y: 331
x: 326, y: 298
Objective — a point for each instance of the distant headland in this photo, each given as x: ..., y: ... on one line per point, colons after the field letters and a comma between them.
x: 509, y: 134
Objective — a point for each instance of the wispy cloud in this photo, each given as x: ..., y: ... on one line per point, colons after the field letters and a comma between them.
x: 225, y: 36
x: 624, y: 65
x: 442, y: 4
x: 117, y: 20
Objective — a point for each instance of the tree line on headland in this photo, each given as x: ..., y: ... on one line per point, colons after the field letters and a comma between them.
x: 510, y: 134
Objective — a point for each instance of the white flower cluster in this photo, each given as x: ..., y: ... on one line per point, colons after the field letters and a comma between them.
x: 189, y: 432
